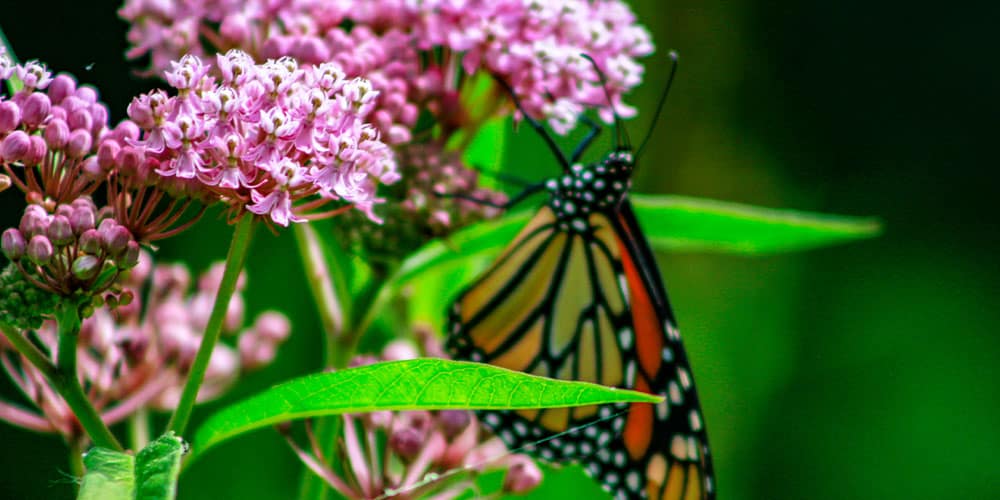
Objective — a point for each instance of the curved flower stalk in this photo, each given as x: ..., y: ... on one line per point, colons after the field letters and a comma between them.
x: 271, y: 139
x: 136, y: 356
x: 420, y: 54
x: 415, y: 454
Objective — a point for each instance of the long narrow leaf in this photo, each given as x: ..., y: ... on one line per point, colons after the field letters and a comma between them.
x: 427, y: 384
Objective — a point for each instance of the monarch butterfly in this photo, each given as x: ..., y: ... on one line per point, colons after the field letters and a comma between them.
x: 577, y: 295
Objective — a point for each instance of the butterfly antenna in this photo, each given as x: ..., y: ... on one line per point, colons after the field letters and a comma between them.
x: 663, y: 98
x: 619, y: 128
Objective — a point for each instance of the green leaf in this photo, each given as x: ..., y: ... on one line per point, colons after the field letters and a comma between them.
x: 487, y: 147
x: 158, y: 466
x: 113, y: 475
x: 110, y: 475
x: 698, y: 224
x: 428, y: 384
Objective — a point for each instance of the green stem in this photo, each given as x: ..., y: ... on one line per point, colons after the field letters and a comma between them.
x: 324, y: 293
x: 138, y: 429
x: 368, y: 302
x: 234, y: 264
x: 64, y: 379
x: 76, y: 449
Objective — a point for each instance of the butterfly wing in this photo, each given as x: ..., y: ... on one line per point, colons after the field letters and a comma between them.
x: 588, y: 305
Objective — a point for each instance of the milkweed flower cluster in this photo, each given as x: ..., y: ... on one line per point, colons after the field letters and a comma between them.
x: 414, y: 51
x: 72, y: 251
x: 138, y: 355
x: 414, y: 454
x: 272, y: 139
x: 51, y: 131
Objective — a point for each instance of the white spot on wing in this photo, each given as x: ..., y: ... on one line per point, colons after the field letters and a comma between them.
x: 695, y: 419
x: 625, y: 337
x: 685, y: 378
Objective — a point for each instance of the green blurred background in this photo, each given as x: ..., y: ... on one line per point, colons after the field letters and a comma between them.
x: 860, y: 371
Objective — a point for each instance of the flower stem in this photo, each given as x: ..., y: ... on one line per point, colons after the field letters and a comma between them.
x: 138, y: 429
x: 322, y: 285
x: 234, y: 264
x: 64, y: 378
x: 76, y: 449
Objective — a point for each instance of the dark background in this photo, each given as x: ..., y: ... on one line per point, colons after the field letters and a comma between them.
x: 860, y: 371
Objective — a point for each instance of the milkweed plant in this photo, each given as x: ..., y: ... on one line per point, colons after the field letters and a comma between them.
x: 371, y: 133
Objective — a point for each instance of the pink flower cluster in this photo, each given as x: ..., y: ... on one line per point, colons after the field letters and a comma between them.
x: 138, y: 355
x: 536, y: 45
x: 273, y: 139
x: 51, y: 132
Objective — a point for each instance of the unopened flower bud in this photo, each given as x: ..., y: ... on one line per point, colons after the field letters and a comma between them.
x: 35, y: 109
x: 56, y: 133
x: 86, y: 267
x: 10, y: 116
x: 37, y: 151
x: 398, y: 350
x: 61, y: 87
x: 15, y: 147
x: 40, y: 250
x: 13, y: 244
x: 79, y: 143
x: 453, y: 422
x: 272, y: 326
x: 406, y: 442
x: 60, y: 231
x: 82, y: 219
x: 5, y: 182
x: 80, y: 119
x: 131, y: 256
x: 522, y: 476
x: 90, y: 241
x: 114, y: 239
x: 107, y: 153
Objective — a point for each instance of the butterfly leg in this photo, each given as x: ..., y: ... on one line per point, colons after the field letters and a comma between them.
x: 537, y: 126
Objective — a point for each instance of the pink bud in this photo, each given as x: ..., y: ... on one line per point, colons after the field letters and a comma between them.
x: 114, y: 238
x: 272, y: 326
x: 523, y: 475
x: 107, y: 153
x: 453, y: 422
x: 87, y: 93
x: 235, y: 28
x: 80, y: 119
x: 37, y: 152
x: 56, y: 133
x: 13, y: 244
x: 398, y: 350
x: 59, y: 231
x: 61, y: 87
x: 79, y: 143
x: 15, y: 147
x: 141, y: 113
x: 40, y: 250
x: 82, y: 219
x: 125, y: 131
x: 406, y: 442
x: 10, y: 116
x: 90, y: 241
x: 35, y: 109
x: 275, y: 47
x: 131, y: 257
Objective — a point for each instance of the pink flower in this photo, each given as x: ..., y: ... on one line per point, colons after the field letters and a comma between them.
x: 268, y: 138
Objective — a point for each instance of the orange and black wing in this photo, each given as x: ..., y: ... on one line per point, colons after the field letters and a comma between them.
x: 588, y: 305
